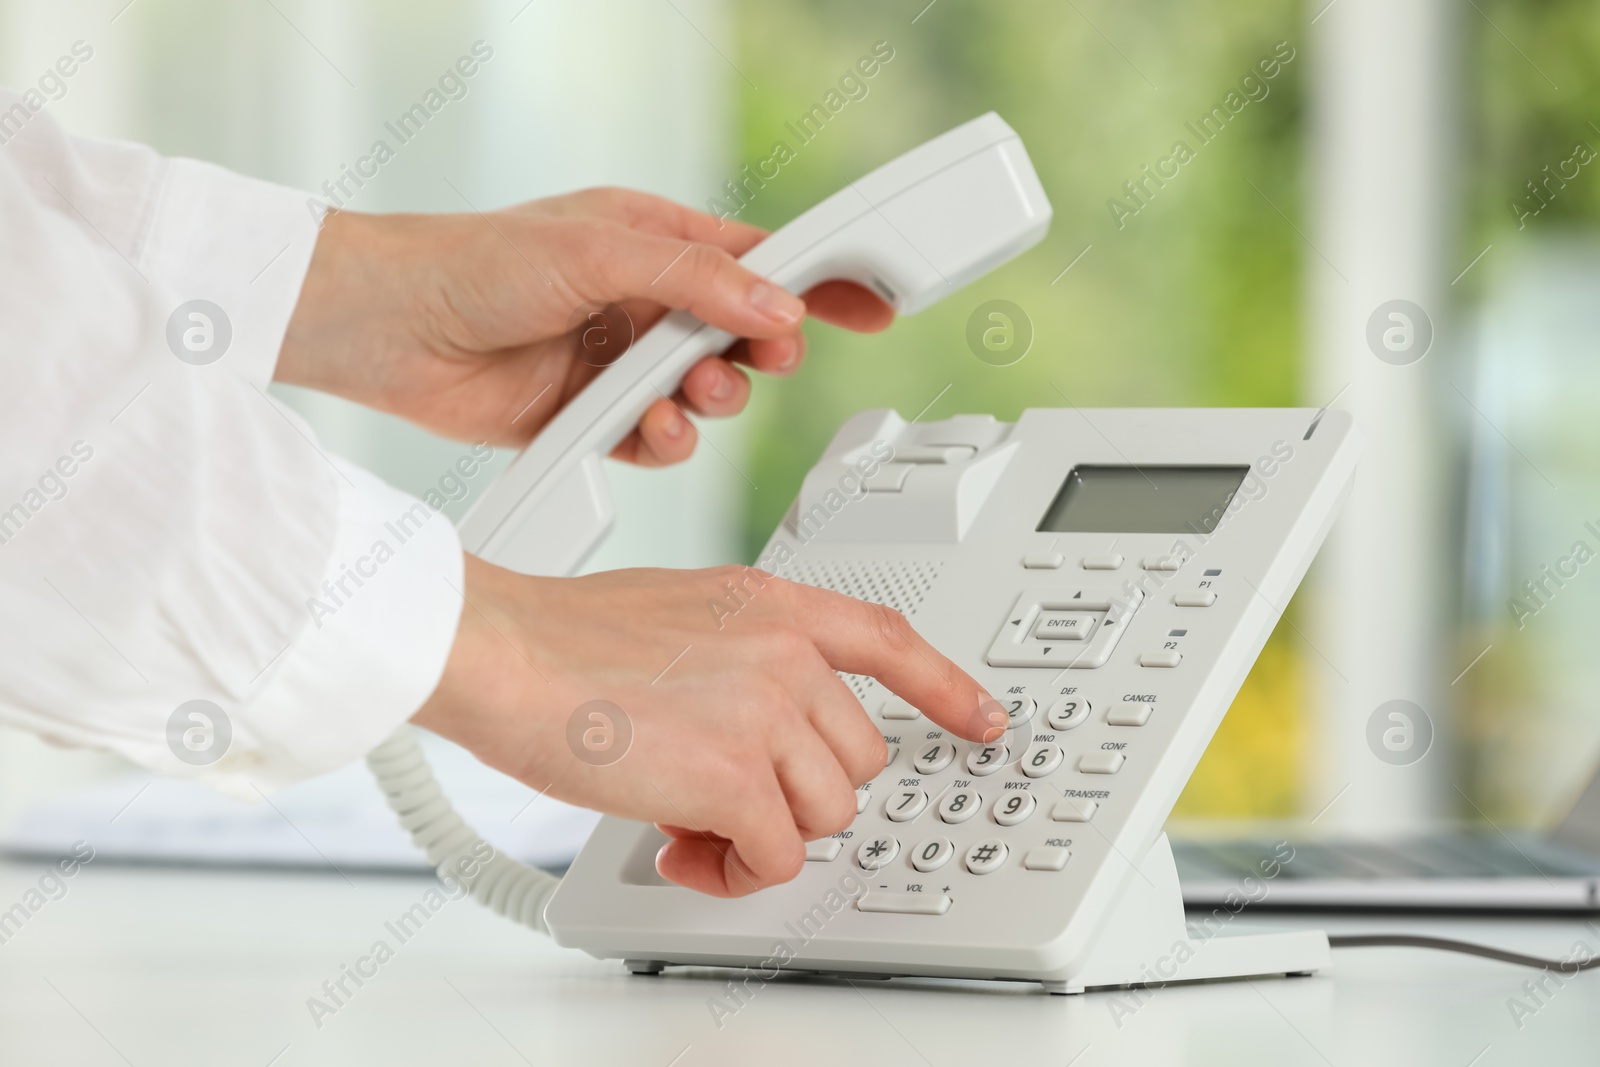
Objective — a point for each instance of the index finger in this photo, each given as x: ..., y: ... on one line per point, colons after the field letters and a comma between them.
x: 861, y: 638
x: 667, y: 218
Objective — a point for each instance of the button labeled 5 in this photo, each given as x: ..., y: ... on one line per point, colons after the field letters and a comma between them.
x: 986, y: 759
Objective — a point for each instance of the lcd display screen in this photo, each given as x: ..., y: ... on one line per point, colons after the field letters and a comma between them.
x: 1105, y: 499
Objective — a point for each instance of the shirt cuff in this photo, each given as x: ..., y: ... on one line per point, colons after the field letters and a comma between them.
x: 378, y: 633
x: 244, y: 245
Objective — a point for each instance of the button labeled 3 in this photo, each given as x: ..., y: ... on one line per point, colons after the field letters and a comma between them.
x: 1068, y: 712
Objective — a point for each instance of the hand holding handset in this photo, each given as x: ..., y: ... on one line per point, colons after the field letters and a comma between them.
x: 913, y: 231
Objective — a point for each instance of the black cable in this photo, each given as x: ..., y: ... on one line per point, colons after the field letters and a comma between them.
x: 1447, y: 944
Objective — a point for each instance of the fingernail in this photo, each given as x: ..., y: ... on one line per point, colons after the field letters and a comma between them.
x: 674, y: 426
x: 721, y: 385
x: 792, y: 360
x: 777, y: 303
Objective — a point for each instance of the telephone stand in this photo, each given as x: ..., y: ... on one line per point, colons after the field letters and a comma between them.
x: 1147, y: 939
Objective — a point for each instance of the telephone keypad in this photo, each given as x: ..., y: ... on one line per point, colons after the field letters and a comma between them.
x: 1075, y: 735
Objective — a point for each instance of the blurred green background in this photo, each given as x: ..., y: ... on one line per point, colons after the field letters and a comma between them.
x: 1195, y: 300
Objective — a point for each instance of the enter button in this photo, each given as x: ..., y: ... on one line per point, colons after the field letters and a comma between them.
x: 1063, y: 625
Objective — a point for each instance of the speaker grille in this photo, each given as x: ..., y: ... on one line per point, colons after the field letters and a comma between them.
x: 896, y: 584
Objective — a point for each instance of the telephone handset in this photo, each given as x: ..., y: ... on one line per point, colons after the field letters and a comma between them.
x: 1112, y: 573
x: 914, y: 230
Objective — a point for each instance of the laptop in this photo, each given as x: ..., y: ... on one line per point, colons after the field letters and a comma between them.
x: 1466, y: 870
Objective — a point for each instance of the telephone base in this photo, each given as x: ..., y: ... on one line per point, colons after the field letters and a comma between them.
x: 1148, y: 941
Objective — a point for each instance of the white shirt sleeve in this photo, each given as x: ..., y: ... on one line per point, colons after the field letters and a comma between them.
x: 169, y: 532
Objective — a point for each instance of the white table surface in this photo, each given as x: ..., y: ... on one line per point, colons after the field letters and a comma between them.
x: 169, y: 967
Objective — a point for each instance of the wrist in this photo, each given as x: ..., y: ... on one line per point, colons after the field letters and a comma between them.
x: 341, y: 322
x: 489, y: 699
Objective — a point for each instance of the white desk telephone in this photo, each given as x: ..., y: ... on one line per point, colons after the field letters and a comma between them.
x: 1111, y: 575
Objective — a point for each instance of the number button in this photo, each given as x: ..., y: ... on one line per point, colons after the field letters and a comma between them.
x: 1012, y: 809
x: 986, y: 759
x: 905, y: 805
x: 1019, y: 710
x: 1042, y: 760
x: 1067, y: 712
x: 877, y: 852
x: 986, y: 856
x: 934, y: 757
x: 960, y: 806
x: 932, y: 854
